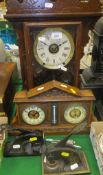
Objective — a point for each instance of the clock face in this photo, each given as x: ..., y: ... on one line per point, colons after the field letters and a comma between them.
x: 33, y: 115
x: 53, y: 48
x: 75, y: 113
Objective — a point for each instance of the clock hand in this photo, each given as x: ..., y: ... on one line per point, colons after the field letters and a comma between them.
x: 63, y: 43
x: 44, y: 43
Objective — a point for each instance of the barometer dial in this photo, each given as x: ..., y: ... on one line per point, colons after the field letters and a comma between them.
x: 33, y: 115
x: 75, y: 113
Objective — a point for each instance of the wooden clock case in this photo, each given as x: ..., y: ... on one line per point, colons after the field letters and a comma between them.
x: 38, y: 74
x: 51, y: 94
x: 6, y: 87
x: 50, y: 12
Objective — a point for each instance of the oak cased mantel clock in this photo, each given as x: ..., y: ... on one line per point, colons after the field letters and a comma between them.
x: 66, y: 23
x: 53, y: 107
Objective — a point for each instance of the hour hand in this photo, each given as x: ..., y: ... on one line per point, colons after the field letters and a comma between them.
x: 44, y: 43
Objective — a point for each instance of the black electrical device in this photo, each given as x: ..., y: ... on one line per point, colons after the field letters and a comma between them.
x: 26, y: 143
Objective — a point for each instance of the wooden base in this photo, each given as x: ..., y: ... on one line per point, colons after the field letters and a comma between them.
x: 52, y: 129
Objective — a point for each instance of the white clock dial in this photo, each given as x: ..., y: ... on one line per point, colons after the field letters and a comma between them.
x: 53, y: 48
x: 75, y: 113
x: 33, y: 115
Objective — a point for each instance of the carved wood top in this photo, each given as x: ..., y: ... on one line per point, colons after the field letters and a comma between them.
x: 51, y: 85
x: 54, y: 94
x: 53, y: 7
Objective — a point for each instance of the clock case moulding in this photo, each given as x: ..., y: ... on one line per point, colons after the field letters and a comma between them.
x: 58, y: 95
x: 22, y: 8
x: 39, y: 13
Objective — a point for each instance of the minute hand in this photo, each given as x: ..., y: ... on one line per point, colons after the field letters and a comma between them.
x: 62, y: 43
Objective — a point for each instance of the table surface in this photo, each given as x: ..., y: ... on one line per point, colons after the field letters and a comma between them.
x: 33, y: 165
